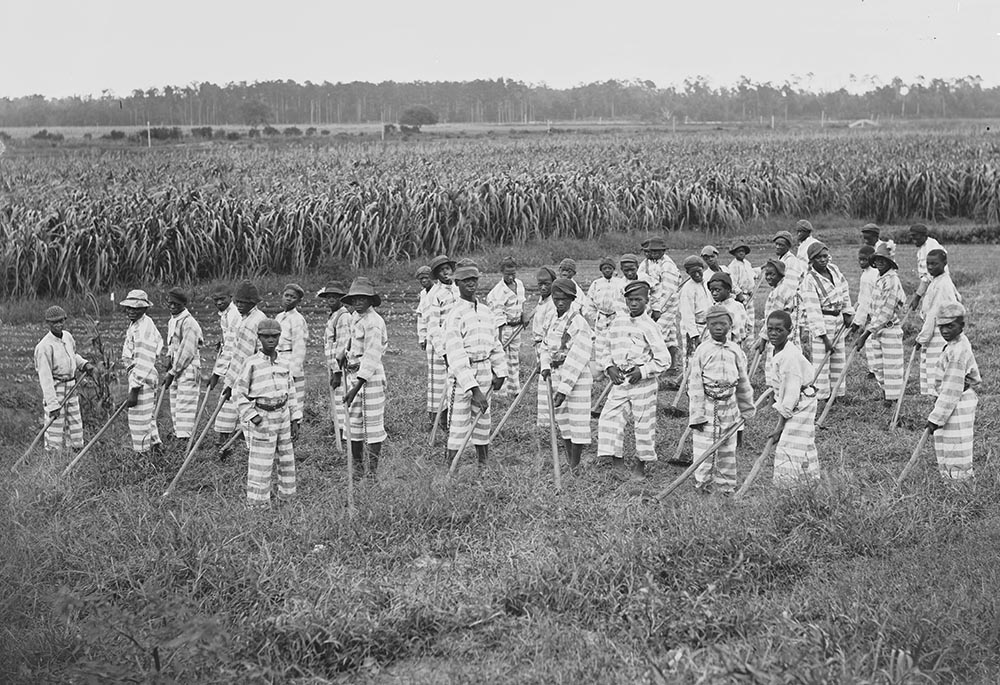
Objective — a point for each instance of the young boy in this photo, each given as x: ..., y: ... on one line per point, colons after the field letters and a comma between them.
x: 142, y: 345
x: 826, y: 301
x: 633, y: 355
x: 710, y: 254
x: 694, y: 302
x: 783, y: 297
x: 506, y: 300
x: 365, y: 374
x: 183, y: 368
x: 567, y: 270
x: 229, y: 316
x: 294, y: 336
x: 883, y: 326
x: 564, y: 358
x: 660, y: 272
x: 790, y: 376
x: 268, y: 406
x: 720, y: 285
x: 940, y: 292
x: 629, y: 265
x: 794, y: 267
x: 57, y: 364
x: 336, y: 336
x: 604, y: 297
x: 925, y: 243
x: 803, y: 231
x: 478, y: 364
x: 440, y: 300
x: 869, y: 274
x: 744, y: 283
x: 541, y: 319
x: 243, y: 342
x: 720, y: 393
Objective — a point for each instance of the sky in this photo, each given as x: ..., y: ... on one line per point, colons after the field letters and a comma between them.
x: 69, y: 47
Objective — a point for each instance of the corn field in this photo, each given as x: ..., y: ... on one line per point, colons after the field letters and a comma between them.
x: 93, y: 219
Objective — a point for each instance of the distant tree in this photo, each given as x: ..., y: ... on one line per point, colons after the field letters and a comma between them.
x: 293, y: 131
x: 417, y: 116
x: 255, y: 113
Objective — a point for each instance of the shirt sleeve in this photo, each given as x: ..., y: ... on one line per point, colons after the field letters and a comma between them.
x: 458, y: 358
x: 187, y: 351
x: 375, y: 342
x: 696, y: 390
x: 578, y: 357
x: 43, y: 365
x: 147, y: 346
x: 660, y: 354
x: 241, y: 392
x: 951, y: 388
x: 435, y: 329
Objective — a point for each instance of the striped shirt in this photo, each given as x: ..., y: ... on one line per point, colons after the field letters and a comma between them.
x: 369, y: 341
x: 569, y: 343
x: 744, y: 276
x: 244, y: 342
x: 56, y: 360
x: 634, y: 342
x: 292, y: 343
x: 794, y: 267
x: 922, y: 251
x: 694, y: 302
x: 738, y: 330
x: 664, y: 280
x: 336, y: 337
x: 803, y: 251
x: 143, y: 343
x: 604, y: 297
x: 783, y: 297
x: 865, y: 287
x: 819, y: 294
x: 788, y: 373
x: 545, y: 312
x: 472, y: 339
x: 506, y: 304
x: 421, y: 312
x: 264, y: 379
x: 440, y: 300
x: 184, y: 338
x: 959, y: 373
x: 717, y: 368
x: 940, y: 291
x: 888, y: 302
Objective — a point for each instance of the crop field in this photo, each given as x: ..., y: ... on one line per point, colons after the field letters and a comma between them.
x: 497, y: 576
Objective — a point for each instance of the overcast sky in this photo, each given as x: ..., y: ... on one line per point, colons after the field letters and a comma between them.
x: 67, y: 47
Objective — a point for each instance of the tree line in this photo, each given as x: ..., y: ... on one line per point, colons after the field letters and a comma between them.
x: 506, y: 101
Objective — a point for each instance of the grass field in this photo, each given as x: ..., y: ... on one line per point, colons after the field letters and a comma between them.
x: 501, y: 578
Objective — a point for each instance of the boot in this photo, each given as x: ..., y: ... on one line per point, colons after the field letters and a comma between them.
x: 575, y: 456
x: 374, y: 451
x: 482, y: 454
x: 444, y: 420
x: 358, y: 458
x: 220, y: 440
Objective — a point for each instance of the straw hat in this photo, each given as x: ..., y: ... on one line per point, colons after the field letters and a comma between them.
x: 362, y: 287
x: 136, y: 299
x: 55, y: 313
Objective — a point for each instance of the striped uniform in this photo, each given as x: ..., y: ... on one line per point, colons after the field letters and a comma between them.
x: 665, y: 281
x: 241, y: 343
x: 783, y: 297
x: 508, y: 306
x: 720, y: 393
x: 825, y: 302
x: 694, y: 301
x: 57, y: 362
x: 790, y: 376
x: 863, y: 309
x: 955, y: 409
x: 544, y: 315
x: 940, y: 291
x: 803, y: 252
x: 184, y: 339
x: 369, y: 340
x: 632, y: 342
x: 143, y: 343
x: 292, y: 348
x: 886, y: 341
x: 924, y: 276
x: 604, y: 302
x: 795, y: 268
x: 744, y: 282
x: 475, y: 355
x: 440, y: 300
x: 738, y: 332
x: 264, y: 388
x: 421, y: 312
x: 335, y: 339
x: 566, y: 351
x: 228, y: 319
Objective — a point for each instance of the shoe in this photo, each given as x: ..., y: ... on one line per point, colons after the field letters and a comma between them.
x: 680, y: 462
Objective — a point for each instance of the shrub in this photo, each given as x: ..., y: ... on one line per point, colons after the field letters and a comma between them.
x: 292, y: 131
x: 45, y: 135
x: 311, y: 131
x: 271, y: 130
x: 233, y: 135
x: 202, y: 132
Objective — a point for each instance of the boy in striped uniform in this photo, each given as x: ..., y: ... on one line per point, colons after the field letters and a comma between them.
x: 794, y: 267
x: 871, y: 234
x: 783, y: 297
x: 541, y: 318
x: 440, y: 299
x: 633, y: 354
x: 694, y: 302
x: 426, y: 281
x: 803, y: 231
x: 336, y: 336
x: 789, y: 375
x: 720, y: 285
x: 883, y: 326
x: 142, y: 345
x: 183, y: 368
x: 940, y: 292
x: 710, y: 255
x: 294, y: 336
x: 365, y: 374
x: 629, y: 265
x: 564, y: 358
x: 869, y: 274
x: 478, y: 365
x: 268, y: 406
x: 57, y: 364
x: 826, y: 301
x: 720, y: 394
x: 229, y: 315
x: 745, y: 279
x: 243, y: 342
x: 953, y: 418
x: 925, y: 243
x: 664, y: 279
x: 604, y: 297
x: 506, y: 300
x: 567, y: 270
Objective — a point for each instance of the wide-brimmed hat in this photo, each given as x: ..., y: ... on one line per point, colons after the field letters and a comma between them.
x: 693, y: 261
x: 136, y: 299
x: 721, y: 277
x: 871, y: 228
x: 335, y: 289
x: 815, y: 248
x: 440, y: 261
x: 885, y: 252
x: 803, y: 225
x: 296, y: 288
x: 268, y: 326
x: 640, y: 284
x: 776, y: 264
x: 466, y: 271
x: 709, y: 250
x: 566, y: 286
x: 628, y: 257
x: 738, y: 245
x: 949, y: 312
x: 783, y: 235
x: 55, y: 313
x: 653, y: 243
x: 717, y: 311
x: 362, y: 287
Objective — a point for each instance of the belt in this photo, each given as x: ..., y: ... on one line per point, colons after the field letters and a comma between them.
x: 479, y: 361
x: 63, y: 379
x: 353, y: 367
x: 283, y: 349
x: 606, y: 313
x: 266, y: 405
x: 831, y: 312
x: 719, y: 391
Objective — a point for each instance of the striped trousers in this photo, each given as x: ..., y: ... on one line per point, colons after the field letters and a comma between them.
x: 887, y: 355
x: 513, y: 354
x: 184, y: 392
x: 367, y: 412
x: 930, y: 374
x: 461, y: 412
x: 437, y: 379
x: 300, y: 390
x: 831, y: 372
x: 338, y: 405
x: 141, y: 425
x: 543, y: 401
x: 270, y: 440
x: 795, y: 454
x: 719, y: 469
x: 228, y: 418
x: 637, y: 400
x: 953, y: 440
x: 69, y: 417
x: 573, y: 416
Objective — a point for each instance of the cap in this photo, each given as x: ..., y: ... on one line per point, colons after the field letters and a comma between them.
x: 55, y: 313
x: 816, y: 248
x: 653, y: 243
x: 247, y: 292
x: 136, y: 299
x: 627, y: 258
x: 776, y: 264
x: 546, y: 272
x: 709, y: 250
x: 717, y: 311
x: 178, y: 295
x: 782, y: 235
x: 803, y: 225
x: 565, y: 286
x: 268, y: 326
x: 508, y: 263
x: 335, y: 289
x: 422, y: 271
x: 362, y: 287
x: 606, y: 260
x: 463, y: 272
x: 739, y: 245
x: 634, y: 286
x: 871, y: 228
x: 294, y: 287
x: 721, y: 277
x: 918, y: 229
x: 866, y: 251
x: 222, y: 290
x: 568, y: 264
x: 950, y: 312
x: 440, y: 261
x: 693, y: 261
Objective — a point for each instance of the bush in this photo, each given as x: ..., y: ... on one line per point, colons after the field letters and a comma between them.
x: 324, y: 132
x: 292, y: 131
x: 201, y: 132
x: 45, y: 135
x: 953, y: 235
x: 271, y: 130
x: 311, y: 131
x: 418, y: 115
x: 233, y: 135
x: 115, y: 134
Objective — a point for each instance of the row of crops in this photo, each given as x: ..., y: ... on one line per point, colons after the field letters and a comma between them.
x: 96, y: 219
